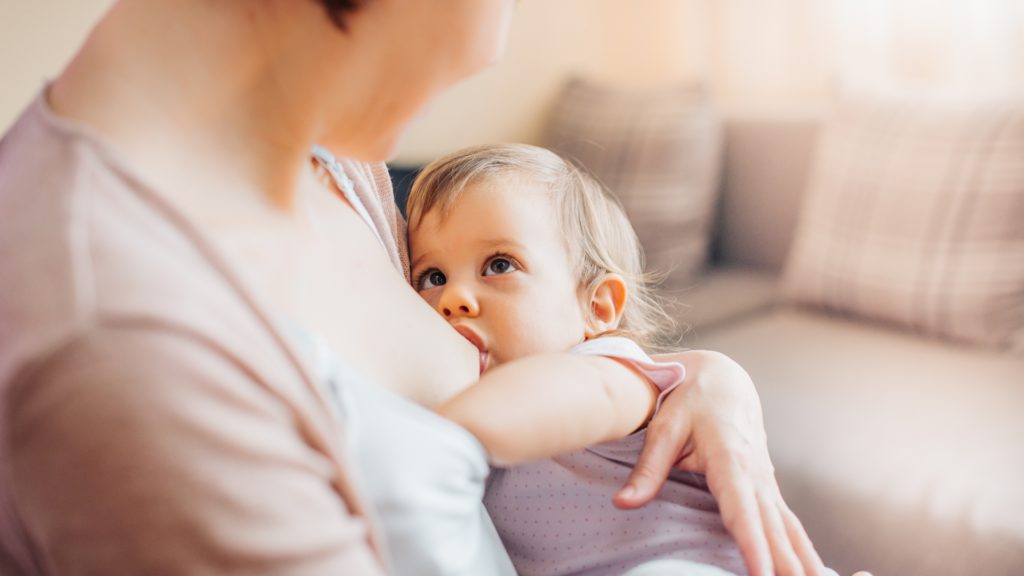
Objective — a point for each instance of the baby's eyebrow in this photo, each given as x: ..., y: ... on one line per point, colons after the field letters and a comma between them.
x: 502, y: 243
x: 487, y: 244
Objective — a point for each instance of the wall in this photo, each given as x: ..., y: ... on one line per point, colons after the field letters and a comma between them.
x: 36, y: 39
x: 760, y: 58
x: 636, y: 42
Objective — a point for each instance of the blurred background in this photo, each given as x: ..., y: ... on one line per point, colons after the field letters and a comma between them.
x: 835, y: 191
x: 760, y: 57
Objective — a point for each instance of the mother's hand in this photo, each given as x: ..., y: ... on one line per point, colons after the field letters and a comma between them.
x: 712, y: 424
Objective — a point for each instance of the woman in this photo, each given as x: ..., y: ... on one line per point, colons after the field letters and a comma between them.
x: 160, y: 217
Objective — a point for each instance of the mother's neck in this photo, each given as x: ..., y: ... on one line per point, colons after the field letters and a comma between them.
x: 202, y: 95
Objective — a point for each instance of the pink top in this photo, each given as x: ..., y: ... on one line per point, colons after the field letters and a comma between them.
x: 556, y: 516
x: 154, y: 417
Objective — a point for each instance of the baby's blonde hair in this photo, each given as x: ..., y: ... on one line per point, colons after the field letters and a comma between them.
x: 599, y: 238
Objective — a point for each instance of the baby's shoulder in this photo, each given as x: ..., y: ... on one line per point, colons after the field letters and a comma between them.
x: 613, y: 346
x: 664, y: 375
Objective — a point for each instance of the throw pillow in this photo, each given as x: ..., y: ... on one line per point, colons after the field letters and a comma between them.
x: 915, y: 215
x: 658, y: 150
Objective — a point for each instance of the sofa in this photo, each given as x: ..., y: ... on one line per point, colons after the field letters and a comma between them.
x: 902, y: 453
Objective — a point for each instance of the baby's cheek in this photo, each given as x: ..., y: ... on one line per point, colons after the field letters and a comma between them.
x: 430, y: 296
x: 555, y: 332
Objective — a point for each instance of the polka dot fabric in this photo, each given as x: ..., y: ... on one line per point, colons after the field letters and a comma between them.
x: 556, y: 516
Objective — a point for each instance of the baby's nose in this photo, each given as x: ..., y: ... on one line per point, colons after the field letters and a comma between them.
x: 462, y: 308
x: 458, y: 301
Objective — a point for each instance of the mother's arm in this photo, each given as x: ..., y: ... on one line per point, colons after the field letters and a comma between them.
x: 712, y: 424
x: 141, y: 450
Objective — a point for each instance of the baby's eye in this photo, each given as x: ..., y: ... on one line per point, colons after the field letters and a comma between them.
x: 499, y: 265
x: 430, y: 279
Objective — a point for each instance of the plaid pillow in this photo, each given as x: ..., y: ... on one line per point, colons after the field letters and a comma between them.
x: 915, y: 215
x: 659, y: 151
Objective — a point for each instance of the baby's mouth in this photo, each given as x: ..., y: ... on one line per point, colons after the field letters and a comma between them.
x: 475, y: 339
x: 483, y: 361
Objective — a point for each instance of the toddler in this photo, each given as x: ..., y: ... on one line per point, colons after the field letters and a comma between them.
x: 529, y: 258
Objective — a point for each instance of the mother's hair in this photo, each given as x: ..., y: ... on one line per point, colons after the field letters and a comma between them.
x: 337, y: 9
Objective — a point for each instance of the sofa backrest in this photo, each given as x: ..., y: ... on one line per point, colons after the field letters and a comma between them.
x: 765, y: 171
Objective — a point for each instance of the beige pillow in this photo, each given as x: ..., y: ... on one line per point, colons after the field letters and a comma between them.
x: 659, y: 151
x: 915, y: 215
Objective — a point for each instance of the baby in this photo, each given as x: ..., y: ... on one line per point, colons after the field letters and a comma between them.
x: 529, y: 258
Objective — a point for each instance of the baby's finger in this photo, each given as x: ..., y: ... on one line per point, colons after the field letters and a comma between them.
x: 664, y: 442
x: 809, y: 557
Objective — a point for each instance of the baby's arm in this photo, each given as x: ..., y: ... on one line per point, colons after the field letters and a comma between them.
x: 541, y: 406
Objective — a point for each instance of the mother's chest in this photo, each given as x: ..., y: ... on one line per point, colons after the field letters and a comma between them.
x: 337, y: 281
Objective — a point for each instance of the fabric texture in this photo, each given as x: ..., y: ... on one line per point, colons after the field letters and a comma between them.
x: 424, y: 475
x: 556, y: 516
x: 138, y: 437
x: 676, y: 568
x: 900, y: 454
x: 373, y: 185
x: 765, y: 168
x: 723, y: 295
x: 659, y: 151
x: 368, y: 188
x: 914, y: 216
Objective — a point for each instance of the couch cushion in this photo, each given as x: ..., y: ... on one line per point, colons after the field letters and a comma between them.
x: 658, y: 151
x: 902, y: 455
x: 722, y: 294
x: 914, y: 215
x: 764, y: 175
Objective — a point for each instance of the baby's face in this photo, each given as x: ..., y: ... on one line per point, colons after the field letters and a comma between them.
x: 497, y: 269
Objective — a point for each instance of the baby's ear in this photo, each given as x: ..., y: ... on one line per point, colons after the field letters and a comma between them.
x: 607, y: 301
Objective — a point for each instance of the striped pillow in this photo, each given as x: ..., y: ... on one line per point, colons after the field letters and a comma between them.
x: 915, y: 215
x: 658, y: 150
